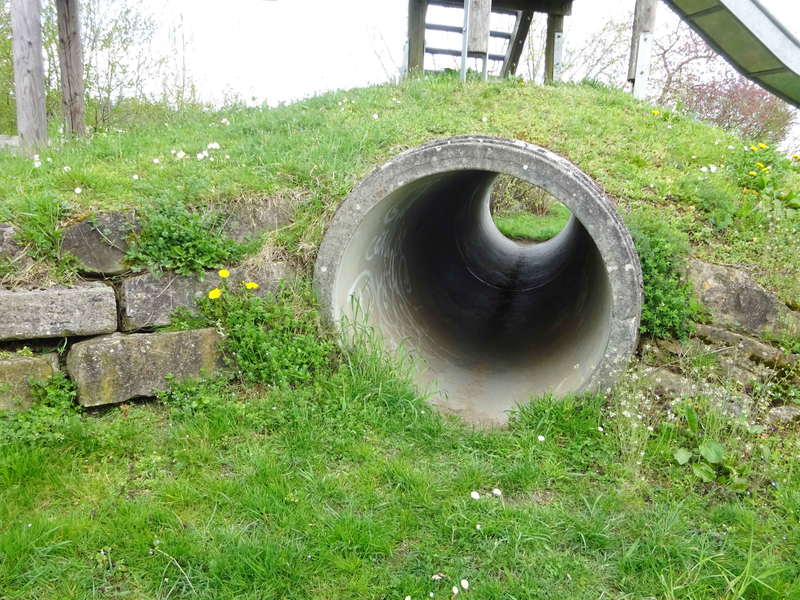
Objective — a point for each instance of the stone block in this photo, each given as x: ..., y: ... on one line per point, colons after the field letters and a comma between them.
x: 85, y: 309
x: 149, y: 301
x: 10, y: 248
x: 119, y: 367
x: 255, y: 218
x: 16, y: 371
x: 100, y: 242
x: 734, y: 297
x: 784, y: 415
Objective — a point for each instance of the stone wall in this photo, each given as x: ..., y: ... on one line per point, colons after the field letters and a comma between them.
x: 113, y: 355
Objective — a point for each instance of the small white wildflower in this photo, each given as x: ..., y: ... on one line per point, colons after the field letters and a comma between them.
x: 455, y: 591
x: 465, y: 584
x: 37, y: 164
x: 704, y: 169
x: 35, y: 157
x: 205, y: 152
x: 67, y: 169
x: 155, y: 161
x: 172, y: 151
x: 78, y: 190
x: 478, y: 526
x: 475, y: 496
x: 49, y: 159
x: 497, y: 492
x: 484, y: 119
x: 180, y: 154
x: 730, y: 147
x: 541, y: 438
x: 713, y: 168
x: 211, y: 159
x: 227, y: 157
x: 649, y: 428
x: 599, y: 429
x: 135, y: 177
x: 375, y: 116
x: 408, y: 597
x: 200, y: 156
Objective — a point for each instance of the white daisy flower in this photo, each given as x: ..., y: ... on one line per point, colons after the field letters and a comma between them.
x: 475, y: 496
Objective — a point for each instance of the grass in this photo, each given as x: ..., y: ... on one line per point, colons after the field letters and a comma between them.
x: 526, y: 226
x: 354, y: 487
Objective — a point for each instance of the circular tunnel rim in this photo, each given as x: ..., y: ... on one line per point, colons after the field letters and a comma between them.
x: 538, y: 166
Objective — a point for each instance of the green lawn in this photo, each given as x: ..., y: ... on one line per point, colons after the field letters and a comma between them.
x: 526, y: 226
x: 354, y: 487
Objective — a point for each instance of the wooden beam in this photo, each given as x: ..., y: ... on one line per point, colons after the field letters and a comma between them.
x: 644, y: 21
x: 26, y: 43
x: 417, y: 11
x: 555, y: 7
x: 552, y: 50
x: 71, y: 58
x: 517, y: 43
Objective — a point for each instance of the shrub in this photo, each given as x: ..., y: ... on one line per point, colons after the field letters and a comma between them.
x: 53, y: 406
x: 175, y: 237
x: 275, y: 340
x: 714, y: 198
x: 669, y: 305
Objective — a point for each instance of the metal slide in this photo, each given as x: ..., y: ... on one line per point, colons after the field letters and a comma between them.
x: 751, y: 39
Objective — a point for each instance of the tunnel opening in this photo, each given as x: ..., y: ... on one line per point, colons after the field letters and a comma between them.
x: 494, y: 320
x: 526, y: 213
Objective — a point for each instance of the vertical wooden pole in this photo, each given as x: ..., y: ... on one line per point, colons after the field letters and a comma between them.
x: 517, y: 43
x: 644, y: 21
x: 71, y: 59
x: 417, y: 11
x: 552, y: 50
x: 26, y: 43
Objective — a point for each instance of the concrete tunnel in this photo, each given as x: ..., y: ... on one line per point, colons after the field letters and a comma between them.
x: 494, y: 321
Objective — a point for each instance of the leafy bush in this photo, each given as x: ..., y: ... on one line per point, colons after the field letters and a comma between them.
x: 53, y: 406
x: 175, y: 237
x: 272, y: 340
x: 669, y: 308
x: 191, y: 395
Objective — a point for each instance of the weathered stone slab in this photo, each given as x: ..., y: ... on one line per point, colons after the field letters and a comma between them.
x: 16, y: 371
x: 119, y: 367
x: 100, y: 242
x: 748, y: 347
x: 149, y: 301
x: 736, y: 298
x: 85, y: 309
x: 784, y: 414
x: 255, y: 218
x: 10, y: 248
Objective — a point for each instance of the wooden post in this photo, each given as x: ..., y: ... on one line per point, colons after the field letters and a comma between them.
x: 417, y: 11
x: 552, y: 50
x: 71, y: 58
x: 517, y: 43
x: 26, y: 29
x: 644, y: 21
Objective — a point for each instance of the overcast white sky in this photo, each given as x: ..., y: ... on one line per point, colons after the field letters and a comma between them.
x: 282, y: 50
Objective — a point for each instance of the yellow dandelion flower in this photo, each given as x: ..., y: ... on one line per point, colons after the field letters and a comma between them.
x: 753, y: 173
x: 754, y: 148
x: 797, y: 156
x: 762, y: 146
x: 215, y: 293
x: 760, y: 164
x: 656, y: 112
x: 251, y: 285
x: 224, y: 273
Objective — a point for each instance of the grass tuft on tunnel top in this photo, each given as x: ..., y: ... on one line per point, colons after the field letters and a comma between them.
x: 689, y: 174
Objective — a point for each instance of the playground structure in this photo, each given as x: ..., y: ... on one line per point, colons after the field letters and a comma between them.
x: 751, y: 39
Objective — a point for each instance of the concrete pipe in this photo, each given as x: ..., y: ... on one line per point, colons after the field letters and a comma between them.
x: 414, y: 247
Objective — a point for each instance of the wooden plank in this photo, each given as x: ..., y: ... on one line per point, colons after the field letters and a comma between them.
x: 555, y: 25
x: 417, y: 12
x: 517, y: 44
x: 479, y: 13
x: 644, y: 21
x: 26, y: 28
x: 71, y: 59
x: 510, y: 7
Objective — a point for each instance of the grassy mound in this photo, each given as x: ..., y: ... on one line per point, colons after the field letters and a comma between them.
x: 317, y: 470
